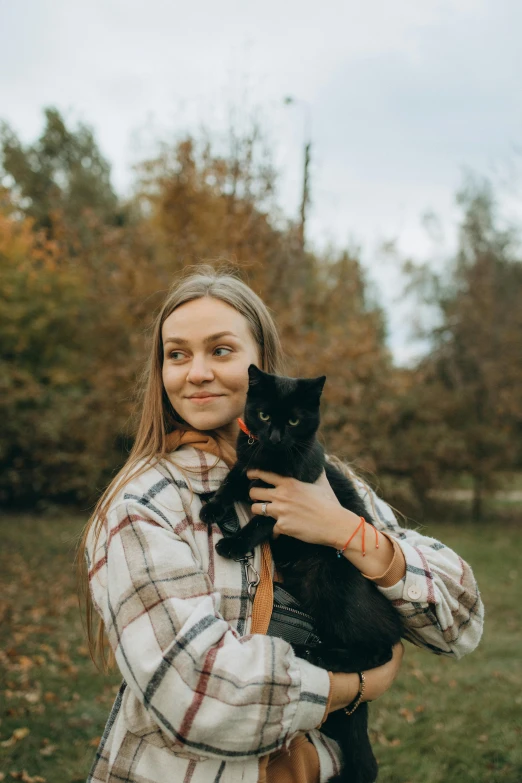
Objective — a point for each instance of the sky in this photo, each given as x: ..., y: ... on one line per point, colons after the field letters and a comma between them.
x: 398, y: 99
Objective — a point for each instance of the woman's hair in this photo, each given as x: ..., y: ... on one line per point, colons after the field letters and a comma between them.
x: 156, y: 415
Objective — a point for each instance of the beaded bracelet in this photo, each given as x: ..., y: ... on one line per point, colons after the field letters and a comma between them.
x: 355, y: 703
x: 363, y: 523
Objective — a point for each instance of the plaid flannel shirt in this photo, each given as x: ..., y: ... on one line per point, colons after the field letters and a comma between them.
x: 202, y: 699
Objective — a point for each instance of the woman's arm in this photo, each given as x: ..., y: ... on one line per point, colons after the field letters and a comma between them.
x: 437, y: 595
x: 344, y: 687
x: 209, y: 691
x: 430, y: 585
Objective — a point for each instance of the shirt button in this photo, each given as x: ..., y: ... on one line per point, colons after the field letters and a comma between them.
x: 414, y: 592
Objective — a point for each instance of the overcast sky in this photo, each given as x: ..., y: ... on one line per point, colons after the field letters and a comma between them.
x: 402, y: 97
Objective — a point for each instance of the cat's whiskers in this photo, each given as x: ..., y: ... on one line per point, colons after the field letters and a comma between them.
x: 300, y: 447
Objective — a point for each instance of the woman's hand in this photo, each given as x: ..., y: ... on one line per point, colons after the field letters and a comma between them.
x: 300, y: 508
x: 377, y: 681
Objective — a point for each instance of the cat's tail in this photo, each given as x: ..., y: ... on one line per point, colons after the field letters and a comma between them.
x: 359, y: 762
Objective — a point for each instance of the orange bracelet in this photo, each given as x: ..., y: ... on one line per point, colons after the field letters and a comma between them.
x: 363, y: 523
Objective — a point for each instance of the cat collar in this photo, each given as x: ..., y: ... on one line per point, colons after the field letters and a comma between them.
x: 243, y: 426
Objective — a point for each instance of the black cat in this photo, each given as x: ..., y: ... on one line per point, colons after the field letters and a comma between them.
x: 356, y: 624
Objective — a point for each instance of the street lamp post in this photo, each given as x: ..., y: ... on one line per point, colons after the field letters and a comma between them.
x: 305, y: 198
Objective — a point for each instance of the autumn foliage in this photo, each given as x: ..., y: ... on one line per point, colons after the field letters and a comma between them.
x: 82, y: 272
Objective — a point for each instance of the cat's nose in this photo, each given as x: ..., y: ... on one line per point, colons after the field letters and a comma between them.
x: 275, y: 437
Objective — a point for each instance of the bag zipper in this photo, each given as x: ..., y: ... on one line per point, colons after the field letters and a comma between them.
x: 290, y: 609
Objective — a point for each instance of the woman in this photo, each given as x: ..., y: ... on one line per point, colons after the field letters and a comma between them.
x: 207, y: 695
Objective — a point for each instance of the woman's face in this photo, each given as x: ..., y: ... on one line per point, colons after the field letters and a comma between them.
x: 207, y: 348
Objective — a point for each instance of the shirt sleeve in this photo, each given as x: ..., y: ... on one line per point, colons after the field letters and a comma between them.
x: 438, y: 596
x: 210, y: 692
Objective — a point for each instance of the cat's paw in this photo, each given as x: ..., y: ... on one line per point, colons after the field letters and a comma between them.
x: 231, y: 547
x: 212, y: 512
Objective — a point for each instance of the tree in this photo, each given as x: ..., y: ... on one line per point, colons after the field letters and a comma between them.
x: 59, y: 178
x: 201, y: 205
x: 474, y: 372
x: 76, y: 313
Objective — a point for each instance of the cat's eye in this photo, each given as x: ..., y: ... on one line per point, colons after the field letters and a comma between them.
x: 293, y: 422
x: 264, y: 416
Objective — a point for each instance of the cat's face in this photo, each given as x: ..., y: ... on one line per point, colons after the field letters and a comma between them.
x: 282, y: 411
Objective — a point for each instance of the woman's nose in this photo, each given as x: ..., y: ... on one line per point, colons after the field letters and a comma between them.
x: 200, y: 370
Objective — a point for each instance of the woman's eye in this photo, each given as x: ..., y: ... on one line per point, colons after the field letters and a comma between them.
x: 293, y: 422
x: 264, y: 416
x: 224, y: 349
x: 175, y: 354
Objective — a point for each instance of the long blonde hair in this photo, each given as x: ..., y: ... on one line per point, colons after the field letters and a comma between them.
x: 157, y: 417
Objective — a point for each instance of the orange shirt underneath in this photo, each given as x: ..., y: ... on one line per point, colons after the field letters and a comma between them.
x: 298, y: 764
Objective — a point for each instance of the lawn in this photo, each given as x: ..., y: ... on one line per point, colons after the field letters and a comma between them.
x: 444, y: 721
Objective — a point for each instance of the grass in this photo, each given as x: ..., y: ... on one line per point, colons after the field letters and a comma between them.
x: 448, y: 721
x: 49, y: 684
x: 443, y: 721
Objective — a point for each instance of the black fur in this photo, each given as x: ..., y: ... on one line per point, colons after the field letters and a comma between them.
x: 355, y: 622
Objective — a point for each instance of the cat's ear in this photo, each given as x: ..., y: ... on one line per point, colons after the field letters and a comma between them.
x: 255, y: 375
x: 313, y: 388
x: 319, y: 383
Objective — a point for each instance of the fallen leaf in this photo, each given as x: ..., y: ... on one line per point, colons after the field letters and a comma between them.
x: 25, y: 777
x: 24, y: 662
x: 94, y: 742
x: 16, y: 736
x: 407, y: 714
x: 48, y: 750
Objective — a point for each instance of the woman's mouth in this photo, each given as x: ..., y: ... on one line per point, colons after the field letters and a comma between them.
x: 205, y: 400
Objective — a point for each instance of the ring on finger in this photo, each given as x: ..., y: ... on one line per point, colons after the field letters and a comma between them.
x: 263, y: 508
